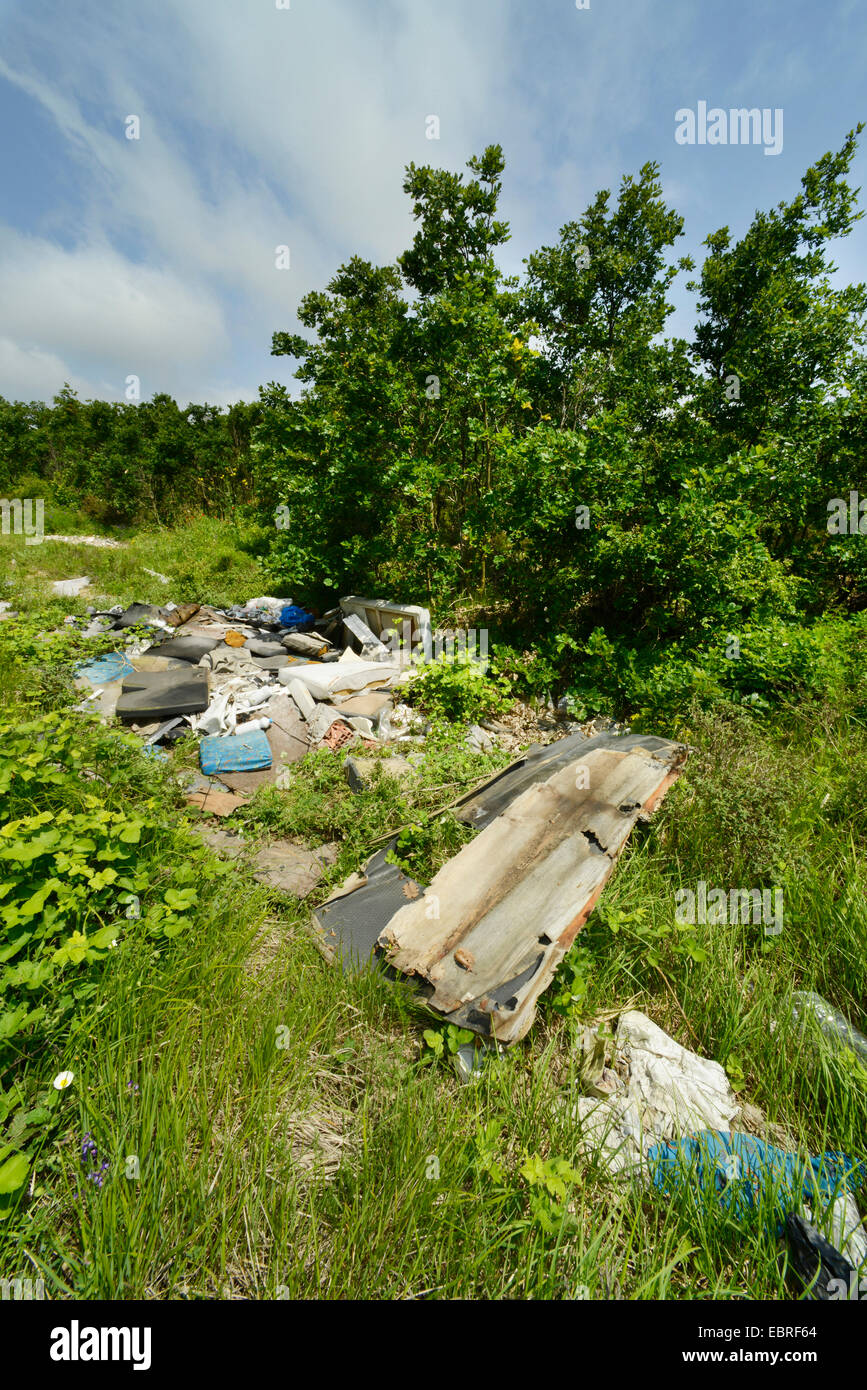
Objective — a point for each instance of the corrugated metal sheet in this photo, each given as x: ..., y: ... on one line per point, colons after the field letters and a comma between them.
x: 487, y: 935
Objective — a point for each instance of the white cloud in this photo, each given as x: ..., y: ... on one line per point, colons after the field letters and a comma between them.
x: 92, y: 304
x: 258, y: 129
x: 263, y: 127
x: 29, y: 374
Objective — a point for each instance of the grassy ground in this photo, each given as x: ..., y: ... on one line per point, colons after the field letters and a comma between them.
x: 270, y: 1127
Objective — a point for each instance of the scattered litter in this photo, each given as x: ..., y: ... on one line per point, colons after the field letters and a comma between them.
x: 303, y: 699
x: 102, y: 701
x: 404, y: 622
x: 225, y: 842
x: 325, y: 682
x: 250, y: 725
x: 289, y: 868
x: 479, y: 740
x: 231, y: 661
x: 103, y: 669
x: 347, y: 925
x: 367, y: 706
x: 832, y: 1024
x: 142, y: 614
x: 146, y: 662
x: 261, y: 612
x: 471, y: 1058
x: 217, y: 803
x: 743, y: 1168
x: 178, y: 614
x: 256, y: 647
x: 483, y: 805
x: 339, y: 734
x: 150, y: 750
x: 160, y: 695
x: 360, y: 772
x: 364, y: 640
x: 646, y: 1090
x: 820, y: 1270
x: 287, y: 739
x: 295, y: 617
x: 402, y: 722
x: 98, y: 542
x: 362, y: 726
x: 189, y: 648
x: 320, y: 721
x: 162, y: 730
x: 306, y: 644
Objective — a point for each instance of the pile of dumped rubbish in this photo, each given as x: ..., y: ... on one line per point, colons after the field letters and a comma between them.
x: 259, y: 685
x: 651, y: 1110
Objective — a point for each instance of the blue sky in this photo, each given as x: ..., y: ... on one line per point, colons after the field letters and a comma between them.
x: 263, y: 127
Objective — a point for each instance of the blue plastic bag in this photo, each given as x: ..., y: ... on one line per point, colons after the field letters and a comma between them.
x: 298, y: 619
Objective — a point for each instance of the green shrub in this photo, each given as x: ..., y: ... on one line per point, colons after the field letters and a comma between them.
x: 77, y: 868
x: 458, y: 690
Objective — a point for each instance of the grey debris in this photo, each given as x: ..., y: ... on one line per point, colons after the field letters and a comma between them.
x: 70, y: 588
x: 477, y: 739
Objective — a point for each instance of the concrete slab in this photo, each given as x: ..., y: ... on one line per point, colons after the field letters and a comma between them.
x: 288, y: 868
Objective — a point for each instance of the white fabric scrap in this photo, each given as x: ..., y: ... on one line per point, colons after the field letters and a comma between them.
x: 670, y: 1092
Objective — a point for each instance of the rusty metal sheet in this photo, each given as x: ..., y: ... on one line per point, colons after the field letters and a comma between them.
x: 540, y: 761
x: 487, y: 935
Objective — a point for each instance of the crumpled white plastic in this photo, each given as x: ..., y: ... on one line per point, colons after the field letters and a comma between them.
x: 266, y: 603
x: 235, y: 699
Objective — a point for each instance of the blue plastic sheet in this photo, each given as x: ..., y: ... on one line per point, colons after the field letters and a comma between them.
x: 741, y: 1167
x: 235, y: 753
x: 105, y: 669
